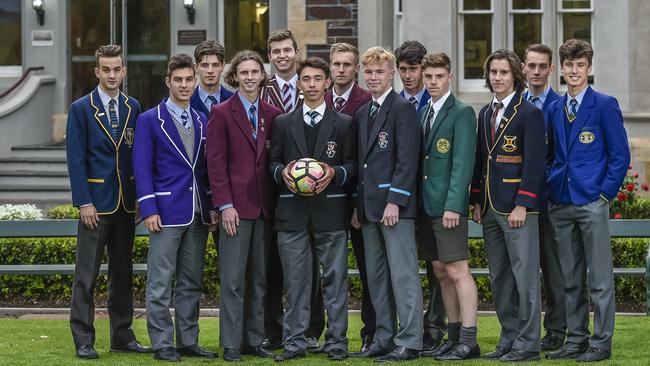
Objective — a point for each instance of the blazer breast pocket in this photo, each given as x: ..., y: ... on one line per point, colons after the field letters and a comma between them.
x: 384, y: 142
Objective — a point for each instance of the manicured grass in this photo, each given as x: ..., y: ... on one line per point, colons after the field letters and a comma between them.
x: 49, y: 343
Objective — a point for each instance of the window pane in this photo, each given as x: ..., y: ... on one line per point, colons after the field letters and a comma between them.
x: 10, y: 49
x: 526, y: 4
x: 246, y: 27
x: 477, y: 43
x: 576, y: 26
x: 527, y: 30
x: 576, y: 4
x: 477, y: 5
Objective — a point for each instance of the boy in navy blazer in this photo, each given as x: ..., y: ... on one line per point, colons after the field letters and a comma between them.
x: 99, y: 143
x: 175, y: 202
x: 209, y: 58
x: 590, y: 156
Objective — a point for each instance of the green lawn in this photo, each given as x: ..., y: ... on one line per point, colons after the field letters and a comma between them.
x: 48, y: 343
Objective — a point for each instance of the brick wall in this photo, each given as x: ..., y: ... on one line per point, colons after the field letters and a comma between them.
x: 341, y: 17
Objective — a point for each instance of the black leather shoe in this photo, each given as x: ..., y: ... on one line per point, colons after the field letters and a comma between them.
x: 87, y: 352
x: 371, y: 351
x: 497, y: 353
x: 593, y: 354
x: 196, y: 351
x: 289, y: 355
x: 551, y: 342
x: 517, y: 355
x: 134, y: 347
x: 441, y: 350
x: 231, y: 355
x: 429, y: 346
x: 399, y: 353
x: 255, y: 351
x: 568, y: 351
x: 313, y: 346
x: 272, y: 344
x: 337, y: 354
x: 167, y: 354
x: 460, y: 351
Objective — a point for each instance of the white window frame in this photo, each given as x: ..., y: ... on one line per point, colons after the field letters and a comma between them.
x: 560, y: 37
x: 511, y: 22
x: 472, y: 84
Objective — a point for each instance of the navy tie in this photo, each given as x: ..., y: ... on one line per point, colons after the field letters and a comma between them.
x: 112, y: 116
x: 313, y: 115
x: 185, y: 118
x: 574, y: 108
x: 414, y: 101
x: 213, y: 101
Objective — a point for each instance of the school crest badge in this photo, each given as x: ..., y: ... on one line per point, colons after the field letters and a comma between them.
x: 587, y: 137
x: 383, y: 140
x: 509, y: 143
x: 128, y: 136
x: 331, y: 149
x: 443, y: 145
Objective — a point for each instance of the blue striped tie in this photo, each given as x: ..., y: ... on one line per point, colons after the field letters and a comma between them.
x: 112, y: 116
x: 185, y: 118
x: 252, y: 117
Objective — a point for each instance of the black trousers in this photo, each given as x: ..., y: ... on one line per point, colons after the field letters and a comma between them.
x: 114, y: 232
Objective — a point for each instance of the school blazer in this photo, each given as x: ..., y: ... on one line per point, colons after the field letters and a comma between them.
x: 423, y: 101
x: 100, y: 168
x: 358, y: 97
x: 335, y: 146
x: 272, y: 94
x: 447, y: 162
x: 197, y: 103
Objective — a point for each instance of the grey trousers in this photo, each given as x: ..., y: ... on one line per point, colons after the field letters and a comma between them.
x: 242, y: 266
x: 582, y: 233
x: 555, y: 316
x: 331, y: 249
x: 513, y: 260
x: 175, y: 258
x: 394, y: 283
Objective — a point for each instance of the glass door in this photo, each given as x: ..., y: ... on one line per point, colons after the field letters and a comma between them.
x: 140, y: 26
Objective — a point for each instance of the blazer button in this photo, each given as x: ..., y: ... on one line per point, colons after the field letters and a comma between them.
x: 490, y: 157
x: 426, y: 157
x: 365, y: 165
x: 190, y: 188
x: 569, y: 179
x: 424, y: 178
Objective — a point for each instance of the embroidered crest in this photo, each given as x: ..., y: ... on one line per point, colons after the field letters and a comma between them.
x: 442, y: 145
x: 383, y: 140
x: 331, y: 149
x: 509, y: 143
x: 587, y: 137
x: 128, y: 136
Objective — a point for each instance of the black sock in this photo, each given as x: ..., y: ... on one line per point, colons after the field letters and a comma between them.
x: 453, y: 331
x: 468, y: 335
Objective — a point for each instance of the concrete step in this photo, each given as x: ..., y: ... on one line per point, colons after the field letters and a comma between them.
x: 34, y: 178
x: 38, y: 164
x: 17, y: 194
x: 39, y: 151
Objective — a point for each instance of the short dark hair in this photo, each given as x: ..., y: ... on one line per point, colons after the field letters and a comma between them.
x: 411, y: 52
x: 179, y: 61
x: 576, y: 48
x: 515, y: 68
x: 540, y: 48
x: 209, y: 47
x: 109, y: 50
x: 240, y: 57
x: 281, y: 35
x: 316, y: 63
x: 436, y: 60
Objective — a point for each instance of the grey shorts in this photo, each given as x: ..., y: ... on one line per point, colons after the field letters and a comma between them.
x: 437, y: 243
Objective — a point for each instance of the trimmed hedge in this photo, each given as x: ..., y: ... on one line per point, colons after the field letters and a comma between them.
x: 630, y: 252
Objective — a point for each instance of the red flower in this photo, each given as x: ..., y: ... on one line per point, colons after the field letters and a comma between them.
x: 621, y: 196
x: 636, y: 174
x: 629, y: 187
x: 629, y: 167
x: 644, y: 187
x: 618, y: 216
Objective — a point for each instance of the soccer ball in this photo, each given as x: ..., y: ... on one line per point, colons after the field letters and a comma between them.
x: 305, y: 173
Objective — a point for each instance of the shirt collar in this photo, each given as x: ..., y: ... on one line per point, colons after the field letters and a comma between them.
x: 437, y: 106
x: 542, y: 97
x: 345, y: 96
x: 292, y: 82
x: 247, y: 104
x: 578, y: 97
x: 204, y: 95
x: 320, y: 109
x: 176, y: 109
x: 417, y: 96
x: 105, y: 98
x: 505, y: 100
x: 382, y: 97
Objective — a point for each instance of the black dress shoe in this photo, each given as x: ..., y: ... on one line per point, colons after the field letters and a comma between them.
x: 441, y: 350
x: 255, y: 351
x: 87, y: 352
x: 593, y: 354
x: 231, y: 355
x: 497, y: 353
x: 568, y: 351
x: 196, y: 351
x: 551, y: 342
x: 167, y: 354
x: 399, y: 353
x: 461, y: 351
x: 371, y: 351
x: 290, y: 355
x: 517, y: 355
x: 272, y: 344
x: 337, y: 354
x: 313, y: 346
x: 429, y: 345
x: 134, y: 347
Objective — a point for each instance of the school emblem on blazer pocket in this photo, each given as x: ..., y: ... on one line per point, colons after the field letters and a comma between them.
x: 331, y: 149
x: 443, y: 145
x: 587, y: 137
x: 509, y: 143
x: 128, y: 136
x: 383, y: 140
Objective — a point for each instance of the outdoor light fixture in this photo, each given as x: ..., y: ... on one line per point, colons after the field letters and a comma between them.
x: 40, y: 13
x: 189, y: 6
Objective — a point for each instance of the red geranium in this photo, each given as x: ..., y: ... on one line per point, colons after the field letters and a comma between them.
x: 644, y: 187
x: 636, y: 174
x: 618, y: 216
x: 621, y: 196
x: 629, y: 187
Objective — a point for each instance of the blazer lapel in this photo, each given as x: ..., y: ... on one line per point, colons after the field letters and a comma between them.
x: 262, y: 129
x: 324, y: 133
x: 297, y: 129
x: 125, y: 115
x: 169, y: 129
x: 561, y: 127
x: 198, y: 135
x: 440, y: 118
x: 101, y: 116
x: 582, y: 117
x: 241, y: 118
x: 508, y: 116
x: 362, y: 125
x: 381, y: 118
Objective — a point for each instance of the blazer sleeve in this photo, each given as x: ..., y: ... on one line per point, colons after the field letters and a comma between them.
x: 347, y: 171
x: 76, y: 146
x: 407, y: 139
x: 463, y: 161
x: 276, y: 164
x: 216, y: 150
x: 618, y: 150
x: 534, y: 167
x: 143, y: 163
x: 475, y: 188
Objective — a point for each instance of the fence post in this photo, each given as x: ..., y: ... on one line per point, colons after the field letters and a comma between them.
x: 647, y: 282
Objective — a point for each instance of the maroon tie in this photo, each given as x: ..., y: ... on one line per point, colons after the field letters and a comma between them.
x: 493, y: 123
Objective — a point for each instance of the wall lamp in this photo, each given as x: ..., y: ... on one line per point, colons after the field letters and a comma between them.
x: 191, y: 12
x: 40, y: 13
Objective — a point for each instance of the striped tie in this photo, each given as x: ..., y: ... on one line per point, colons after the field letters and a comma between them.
x: 313, y: 115
x: 252, y: 117
x: 213, y: 101
x: 287, y: 103
x: 429, y: 122
x: 115, y: 123
x: 414, y: 101
x: 185, y: 118
x: 574, y: 108
x: 339, y: 103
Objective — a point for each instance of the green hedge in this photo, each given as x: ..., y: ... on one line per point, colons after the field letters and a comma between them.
x: 56, y: 288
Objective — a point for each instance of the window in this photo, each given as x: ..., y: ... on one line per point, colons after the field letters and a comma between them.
x: 526, y: 24
x: 476, y: 34
x: 246, y: 26
x: 10, y: 47
x: 576, y: 19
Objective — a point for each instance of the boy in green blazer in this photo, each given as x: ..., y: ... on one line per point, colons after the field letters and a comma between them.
x: 449, y: 137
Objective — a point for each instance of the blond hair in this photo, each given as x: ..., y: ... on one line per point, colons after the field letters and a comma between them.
x: 344, y: 47
x: 378, y: 55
